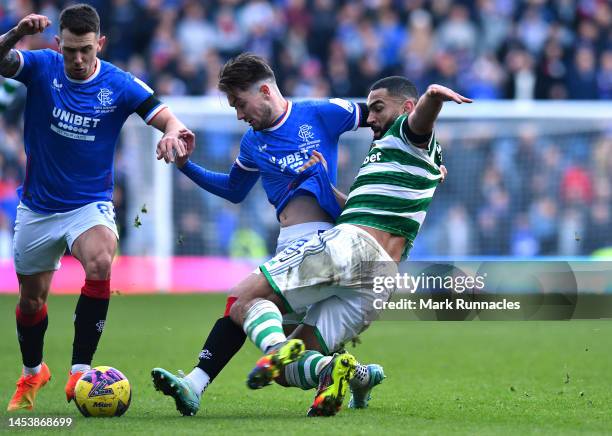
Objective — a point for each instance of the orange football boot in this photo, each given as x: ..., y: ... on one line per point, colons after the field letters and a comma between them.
x: 73, y: 378
x: 27, y: 388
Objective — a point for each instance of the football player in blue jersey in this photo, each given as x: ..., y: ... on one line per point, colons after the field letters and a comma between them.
x: 282, y: 137
x: 75, y: 108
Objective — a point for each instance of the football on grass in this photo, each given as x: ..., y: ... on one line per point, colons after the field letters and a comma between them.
x: 103, y: 391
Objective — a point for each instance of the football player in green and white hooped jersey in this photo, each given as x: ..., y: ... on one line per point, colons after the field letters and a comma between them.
x: 396, y: 183
x: 384, y: 211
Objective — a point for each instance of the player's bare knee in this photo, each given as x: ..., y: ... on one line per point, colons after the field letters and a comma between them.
x: 236, y: 307
x: 237, y: 311
x: 234, y: 293
x: 98, y: 266
x: 31, y: 304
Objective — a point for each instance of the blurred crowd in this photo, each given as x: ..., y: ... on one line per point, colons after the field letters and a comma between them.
x: 543, y: 49
x: 526, y: 200
x: 515, y: 191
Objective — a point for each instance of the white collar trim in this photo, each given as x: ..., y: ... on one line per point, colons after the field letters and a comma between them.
x: 90, y: 78
x: 282, y: 121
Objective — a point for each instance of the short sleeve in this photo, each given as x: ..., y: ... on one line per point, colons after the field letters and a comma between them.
x: 411, y: 138
x: 340, y: 115
x: 136, y: 92
x: 245, y: 159
x: 30, y: 62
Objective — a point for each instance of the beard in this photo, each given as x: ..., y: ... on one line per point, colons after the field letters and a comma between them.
x: 380, y: 132
x: 266, y: 119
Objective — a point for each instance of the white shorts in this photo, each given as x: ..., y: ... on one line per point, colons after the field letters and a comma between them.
x: 331, y: 277
x: 289, y: 235
x: 40, y: 240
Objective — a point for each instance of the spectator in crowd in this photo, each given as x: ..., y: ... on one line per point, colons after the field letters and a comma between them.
x: 425, y: 40
x: 582, y: 78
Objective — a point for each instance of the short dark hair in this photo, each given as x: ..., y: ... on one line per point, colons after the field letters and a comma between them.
x: 242, y: 72
x: 80, y: 19
x: 397, y: 86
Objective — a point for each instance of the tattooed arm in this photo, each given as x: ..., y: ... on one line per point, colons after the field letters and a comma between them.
x: 9, y: 60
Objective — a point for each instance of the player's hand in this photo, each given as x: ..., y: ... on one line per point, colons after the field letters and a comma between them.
x: 169, y: 146
x: 32, y: 24
x: 315, y: 158
x: 188, y: 139
x: 446, y: 94
x: 444, y: 172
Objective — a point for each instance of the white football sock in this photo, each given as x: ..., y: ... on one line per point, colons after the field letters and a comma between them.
x: 32, y: 371
x: 198, y: 379
x: 79, y: 367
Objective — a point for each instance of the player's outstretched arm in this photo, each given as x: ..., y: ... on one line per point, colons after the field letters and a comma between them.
x: 421, y: 120
x: 176, y: 137
x: 233, y: 186
x: 30, y: 25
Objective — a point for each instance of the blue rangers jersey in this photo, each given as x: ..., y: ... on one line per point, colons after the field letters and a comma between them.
x: 278, y: 151
x: 71, y: 129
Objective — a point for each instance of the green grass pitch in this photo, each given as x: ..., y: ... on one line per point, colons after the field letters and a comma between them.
x: 442, y: 377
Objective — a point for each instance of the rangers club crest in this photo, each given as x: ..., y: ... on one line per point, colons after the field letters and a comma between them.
x: 104, y: 97
x: 305, y: 132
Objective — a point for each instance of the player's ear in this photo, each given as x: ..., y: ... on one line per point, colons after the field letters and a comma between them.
x: 59, y: 41
x: 408, y: 106
x: 101, y: 42
x: 265, y: 89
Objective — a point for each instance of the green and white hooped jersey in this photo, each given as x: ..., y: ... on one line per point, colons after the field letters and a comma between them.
x: 394, y: 185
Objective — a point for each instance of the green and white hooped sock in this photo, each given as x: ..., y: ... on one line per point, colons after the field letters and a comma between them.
x: 263, y: 324
x: 304, y: 372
